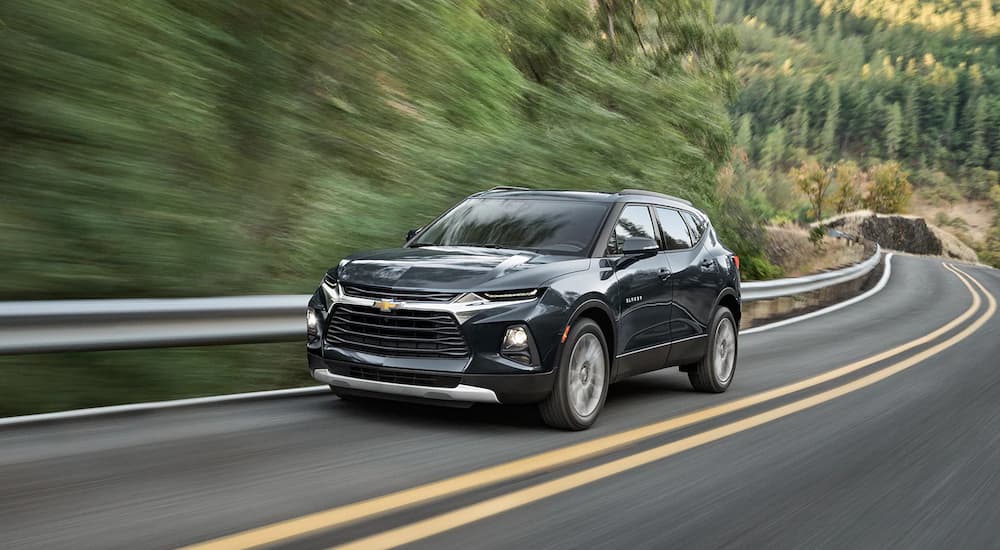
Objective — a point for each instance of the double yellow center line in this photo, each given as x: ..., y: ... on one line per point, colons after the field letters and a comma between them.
x: 450, y: 520
x: 371, y: 508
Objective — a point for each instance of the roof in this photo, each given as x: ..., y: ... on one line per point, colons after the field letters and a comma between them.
x: 644, y: 193
x: 594, y: 196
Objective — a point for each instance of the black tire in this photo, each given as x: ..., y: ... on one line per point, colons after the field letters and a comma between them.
x: 703, y: 374
x: 557, y: 410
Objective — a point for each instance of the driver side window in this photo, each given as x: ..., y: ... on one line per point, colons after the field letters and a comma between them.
x: 634, y: 221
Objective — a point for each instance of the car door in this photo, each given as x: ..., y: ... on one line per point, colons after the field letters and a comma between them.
x: 693, y: 286
x: 642, y: 296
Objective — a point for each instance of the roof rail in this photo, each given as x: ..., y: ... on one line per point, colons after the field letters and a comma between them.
x: 654, y: 194
x: 507, y: 188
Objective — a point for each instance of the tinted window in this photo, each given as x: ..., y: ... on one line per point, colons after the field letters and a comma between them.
x: 550, y: 226
x: 633, y: 222
x: 696, y: 223
x: 675, y: 231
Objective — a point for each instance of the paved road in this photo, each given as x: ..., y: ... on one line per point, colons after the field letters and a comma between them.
x: 909, y: 461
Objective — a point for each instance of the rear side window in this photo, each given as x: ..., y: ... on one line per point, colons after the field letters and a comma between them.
x: 697, y: 225
x: 633, y: 222
x: 675, y: 231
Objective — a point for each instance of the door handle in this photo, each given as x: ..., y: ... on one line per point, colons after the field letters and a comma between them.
x: 664, y: 273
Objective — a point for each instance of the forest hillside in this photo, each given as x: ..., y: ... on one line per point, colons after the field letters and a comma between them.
x: 890, y: 105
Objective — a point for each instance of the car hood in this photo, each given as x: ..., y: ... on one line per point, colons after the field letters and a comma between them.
x: 456, y: 268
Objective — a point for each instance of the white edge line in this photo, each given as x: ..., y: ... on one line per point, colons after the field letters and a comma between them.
x: 886, y: 273
x: 158, y: 405
x: 315, y: 390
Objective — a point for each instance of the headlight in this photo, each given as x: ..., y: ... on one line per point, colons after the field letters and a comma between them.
x: 333, y: 275
x: 510, y: 295
x: 312, y: 323
x: 481, y: 298
x: 516, y: 345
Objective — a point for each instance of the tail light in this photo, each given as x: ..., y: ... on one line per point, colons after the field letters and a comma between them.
x: 736, y: 261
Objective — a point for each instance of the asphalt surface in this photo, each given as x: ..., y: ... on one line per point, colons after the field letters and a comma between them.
x: 912, y: 461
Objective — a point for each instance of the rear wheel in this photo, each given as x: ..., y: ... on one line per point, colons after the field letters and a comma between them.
x: 714, y: 373
x: 582, y: 379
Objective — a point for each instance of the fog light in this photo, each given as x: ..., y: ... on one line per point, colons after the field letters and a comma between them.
x: 312, y: 323
x: 515, y: 345
x: 516, y: 339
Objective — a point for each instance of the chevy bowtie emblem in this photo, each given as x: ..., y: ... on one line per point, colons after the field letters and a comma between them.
x: 386, y: 305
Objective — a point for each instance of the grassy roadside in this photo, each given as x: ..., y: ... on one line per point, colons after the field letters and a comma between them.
x: 62, y: 381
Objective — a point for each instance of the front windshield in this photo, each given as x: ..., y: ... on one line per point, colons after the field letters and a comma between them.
x: 540, y: 225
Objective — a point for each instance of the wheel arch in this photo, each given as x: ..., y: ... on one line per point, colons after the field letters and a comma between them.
x: 729, y: 299
x: 599, y: 312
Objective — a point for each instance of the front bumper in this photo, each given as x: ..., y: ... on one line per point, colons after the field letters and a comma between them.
x: 484, y: 376
x: 461, y: 393
x: 471, y: 388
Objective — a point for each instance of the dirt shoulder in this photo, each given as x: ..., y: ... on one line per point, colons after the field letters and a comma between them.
x: 790, y: 248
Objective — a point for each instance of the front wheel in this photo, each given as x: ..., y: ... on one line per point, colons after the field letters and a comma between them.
x: 714, y: 373
x: 582, y: 379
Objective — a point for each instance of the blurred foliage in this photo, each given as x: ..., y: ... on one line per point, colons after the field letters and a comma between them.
x: 61, y: 381
x: 184, y: 148
x: 761, y: 266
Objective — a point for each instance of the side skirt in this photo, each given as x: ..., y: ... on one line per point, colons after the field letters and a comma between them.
x: 657, y: 357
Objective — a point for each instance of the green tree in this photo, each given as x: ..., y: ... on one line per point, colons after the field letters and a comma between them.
x: 847, y: 195
x: 980, y: 182
x: 910, y: 142
x: 828, y: 136
x: 947, y: 140
x: 978, y: 153
x: 773, y: 152
x: 995, y: 127
x: 814, y: 182
x: 800, y: 127
x: 890, y: 190
x: 799, y: 9
x: 744, y: 134
x: 893, y: 131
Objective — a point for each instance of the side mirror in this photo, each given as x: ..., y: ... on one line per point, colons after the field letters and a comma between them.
x: 412, y: 233
x: 640, y: 246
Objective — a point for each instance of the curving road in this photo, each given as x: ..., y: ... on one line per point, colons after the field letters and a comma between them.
x: 888, y: 437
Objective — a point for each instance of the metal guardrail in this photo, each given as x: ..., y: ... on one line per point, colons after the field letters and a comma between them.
x: 83, y: 325
x: 766, y: 290
x: 87, y: 325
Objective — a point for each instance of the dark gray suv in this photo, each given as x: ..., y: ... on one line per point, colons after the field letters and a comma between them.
x: 520, y: 296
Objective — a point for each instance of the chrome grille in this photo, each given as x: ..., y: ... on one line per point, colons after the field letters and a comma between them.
x: 375, y: 293
x: 401, y: 332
